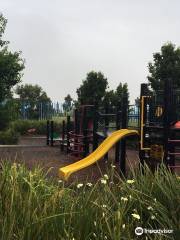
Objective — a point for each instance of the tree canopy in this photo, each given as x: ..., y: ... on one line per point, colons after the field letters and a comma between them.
x: 68, y: 103
x: 32, y: 97
x: 113, y: 98
x: 11, y: 65
x: 32, y: 93
x: 165, y: 65
x: 92, y: 89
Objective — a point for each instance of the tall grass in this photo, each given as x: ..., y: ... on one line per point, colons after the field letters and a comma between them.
x: 34, y: 207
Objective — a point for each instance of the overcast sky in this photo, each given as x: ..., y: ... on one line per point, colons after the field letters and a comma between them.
x: 62, y: 40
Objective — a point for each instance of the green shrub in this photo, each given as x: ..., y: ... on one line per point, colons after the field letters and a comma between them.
x: 4, y: 118
x: 9, y: 136
x: 34, y: 207
x: 22, y: 126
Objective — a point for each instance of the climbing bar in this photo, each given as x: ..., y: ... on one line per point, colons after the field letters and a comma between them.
x: 176, y: 153
x: 177, y: 166
x: 106, y: 114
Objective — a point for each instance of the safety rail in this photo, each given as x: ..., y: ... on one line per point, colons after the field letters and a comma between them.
x: 78, y: 143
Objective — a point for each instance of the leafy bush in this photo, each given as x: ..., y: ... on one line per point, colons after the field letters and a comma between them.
x: 33, y: 207
x: 4, y: 117
x: 9, y: 136
x: 22, y: 126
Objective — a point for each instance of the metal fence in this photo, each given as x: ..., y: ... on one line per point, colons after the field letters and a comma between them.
x: 27, y: 110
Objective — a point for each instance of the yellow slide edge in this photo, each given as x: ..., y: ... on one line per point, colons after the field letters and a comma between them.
x: 105, y: 146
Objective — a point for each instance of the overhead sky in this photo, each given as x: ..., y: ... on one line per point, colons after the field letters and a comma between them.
x: 62, y: 40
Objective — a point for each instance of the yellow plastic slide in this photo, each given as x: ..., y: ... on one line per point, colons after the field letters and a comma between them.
x: 105, y: 146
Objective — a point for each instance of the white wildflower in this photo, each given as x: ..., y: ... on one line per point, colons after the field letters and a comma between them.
x: 94, y: 235
x: 106, y: 176
x: 125, y: 199
x: 104, y: 206
x: 103, y: 181
x: 113, y: 166
x: 103, y: 214
x: 152, y: 217
x: 136, y: 216
x: 130, y: 181
x: 60, y: 181
x: 80, y: 185
x: 149, y: 208
x: 95, y: 223
x: 89, y: 184
x: 123, y: 226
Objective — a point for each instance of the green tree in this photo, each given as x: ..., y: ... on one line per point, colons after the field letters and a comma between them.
x: 92, y: 89
x: 122, y: 89
x: 11, y: 65
x: 31, y: 96
x: 110, y: 98
x: 114, y: 98
x: 165, y: 65
x: 68, y: 103
x: 32, y: 93
x: 137, y: 101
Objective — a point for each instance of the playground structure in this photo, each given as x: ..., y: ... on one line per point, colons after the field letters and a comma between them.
x: 100, y: 152
x: 91, y: 125
x: 155, y: 120
x: 159, y: 125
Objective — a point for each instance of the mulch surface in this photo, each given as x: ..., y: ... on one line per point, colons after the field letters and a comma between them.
x: 36, y: 153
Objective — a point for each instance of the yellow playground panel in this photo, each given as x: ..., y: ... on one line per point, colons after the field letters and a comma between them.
x: 157, y: 152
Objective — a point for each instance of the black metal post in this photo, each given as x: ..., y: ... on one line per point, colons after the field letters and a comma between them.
x: 168, y: 117
x: 63, y: 136
x: 47, y: 133
x: 143, y: 110
x: 85, y: 140
x: 68, y: 130
x: 118, y: 126
x: 123, y: 141
x: 76, y: 130
x: 95, y: 128
x: 52, y: 133
x: 106, y: 120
